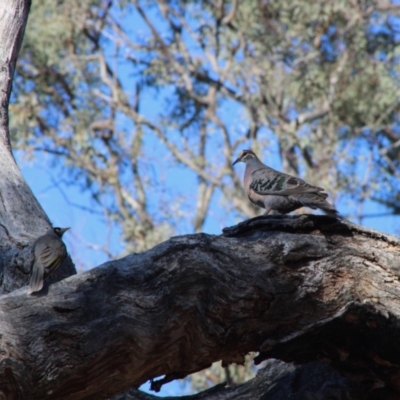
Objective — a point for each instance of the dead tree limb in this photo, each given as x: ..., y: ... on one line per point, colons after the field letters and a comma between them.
x: 295, y: 288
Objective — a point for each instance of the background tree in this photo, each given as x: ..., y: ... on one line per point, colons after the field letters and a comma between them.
x: 131, y: 97
x: 120, y: 92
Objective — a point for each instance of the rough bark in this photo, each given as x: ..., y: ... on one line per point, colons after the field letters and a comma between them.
x: 22, y: 219
x: 295, y: 288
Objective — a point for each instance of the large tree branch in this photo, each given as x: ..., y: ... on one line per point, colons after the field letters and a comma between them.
x: 297, y: 288
x: 13, y: 17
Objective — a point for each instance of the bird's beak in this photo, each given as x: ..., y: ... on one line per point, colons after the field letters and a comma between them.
x: 236, y: 161
x: 64, y: 230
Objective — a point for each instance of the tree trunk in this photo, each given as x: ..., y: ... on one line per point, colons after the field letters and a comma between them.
x: 301, y: 289
x: 22, y: 219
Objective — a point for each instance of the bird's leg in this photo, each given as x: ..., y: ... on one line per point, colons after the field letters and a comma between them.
x: 267, y: 211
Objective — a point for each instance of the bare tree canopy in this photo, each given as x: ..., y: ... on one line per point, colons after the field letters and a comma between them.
x: 129, y: 97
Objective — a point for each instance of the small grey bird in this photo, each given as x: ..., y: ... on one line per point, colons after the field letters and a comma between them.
x: 50, y: 252
x: 274, y: 190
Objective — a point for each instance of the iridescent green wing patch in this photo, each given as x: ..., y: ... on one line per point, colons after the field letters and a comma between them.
x: 282, y: 184
x: 279, y: 183
x: 275, y: 184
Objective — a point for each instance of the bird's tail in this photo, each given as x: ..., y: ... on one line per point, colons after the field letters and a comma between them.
x: 317, y: 200
x: 37, y: 276
x: 328, y: 209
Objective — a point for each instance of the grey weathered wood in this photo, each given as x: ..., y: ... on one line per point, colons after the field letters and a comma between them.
x: 22, y: 219
x: 296, y: 288
x: 20, y: 213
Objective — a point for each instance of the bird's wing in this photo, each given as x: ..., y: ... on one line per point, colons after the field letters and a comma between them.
x: 51, y: 256
x: 37, y: 276
x: 268, y: 181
